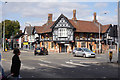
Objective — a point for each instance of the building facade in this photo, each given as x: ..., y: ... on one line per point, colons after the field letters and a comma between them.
x: 28, y: 38
x: 64, y: 34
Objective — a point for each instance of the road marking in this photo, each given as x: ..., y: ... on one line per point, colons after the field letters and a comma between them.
x: 27, y: 67
x: 67, y: 65
x: 45, y: 61
x: 48, y: 66
x: 77, y: 64
x: 89, y: 62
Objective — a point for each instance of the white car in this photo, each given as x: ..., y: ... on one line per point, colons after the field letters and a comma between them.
x: 84, y: 52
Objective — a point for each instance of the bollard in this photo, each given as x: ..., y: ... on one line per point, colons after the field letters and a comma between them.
x: 110, y: 55
x: 5, y: 49
x: 94, y: 51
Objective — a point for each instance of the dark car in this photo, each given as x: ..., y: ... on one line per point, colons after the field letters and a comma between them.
x: 41, y: 51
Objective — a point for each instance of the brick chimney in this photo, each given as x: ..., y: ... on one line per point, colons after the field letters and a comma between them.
x: 49, y: 18
x: 95, y: 20
x: 74, y: 15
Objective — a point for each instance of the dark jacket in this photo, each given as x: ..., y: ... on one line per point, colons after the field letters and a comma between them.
x: 16, y: 63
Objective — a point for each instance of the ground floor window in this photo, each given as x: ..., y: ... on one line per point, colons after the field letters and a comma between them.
x: 42, y: 43
x: 52, y: 45
x: 46, y: 45
x: 112, y: 46
x: 83, y: 44
x: 97, y: 46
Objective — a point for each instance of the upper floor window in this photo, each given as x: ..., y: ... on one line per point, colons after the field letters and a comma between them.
x: 62, y: 32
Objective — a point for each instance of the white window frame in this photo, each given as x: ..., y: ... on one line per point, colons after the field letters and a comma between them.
x: 62, y: 32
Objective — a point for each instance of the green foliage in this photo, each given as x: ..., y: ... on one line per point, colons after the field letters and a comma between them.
x: 11, y: 27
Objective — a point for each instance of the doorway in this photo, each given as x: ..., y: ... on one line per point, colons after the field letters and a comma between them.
x: 63, y: 48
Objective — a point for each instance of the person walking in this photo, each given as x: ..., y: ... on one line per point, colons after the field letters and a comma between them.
x: 16, y: 64
x: 90, y: 46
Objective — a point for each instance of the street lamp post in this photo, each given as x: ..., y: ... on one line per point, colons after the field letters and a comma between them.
x: 99, y: 35
x: 118, y: 32
x: 99, y: 38
x: 4, y: 32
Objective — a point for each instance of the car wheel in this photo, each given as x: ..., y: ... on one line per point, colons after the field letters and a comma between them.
x: 74, y: 55
x: 35, y: 54
x: 84, y: 55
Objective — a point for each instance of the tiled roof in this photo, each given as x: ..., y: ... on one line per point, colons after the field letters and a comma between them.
x: 80, y: 25
x: 29, y: 29
x: 105, y: 28
x: 44, y: 28
x: 88, y: 26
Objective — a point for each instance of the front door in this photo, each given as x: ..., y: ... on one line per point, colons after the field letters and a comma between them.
x: 63, y: 48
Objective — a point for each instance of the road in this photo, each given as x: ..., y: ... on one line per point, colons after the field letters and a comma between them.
x: 62, y: 65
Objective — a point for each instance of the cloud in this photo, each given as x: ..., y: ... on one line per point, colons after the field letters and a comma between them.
x: 33, y: 23
x: 101, y: 5
x: 108, y: 19
x: 36, y: 13
x: 39, y: 10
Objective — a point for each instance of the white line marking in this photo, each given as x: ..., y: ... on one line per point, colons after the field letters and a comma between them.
x: 26, y: 67
x: 67, y: 65
x: 90, y: 62
x: 45, y: 61
x: 77, y: 64
x: 48, y: 66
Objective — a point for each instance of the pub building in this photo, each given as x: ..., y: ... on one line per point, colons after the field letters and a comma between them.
x: 64, y: 34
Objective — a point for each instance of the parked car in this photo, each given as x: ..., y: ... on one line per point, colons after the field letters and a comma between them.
x: 41, y: 51
x: 84, y: 52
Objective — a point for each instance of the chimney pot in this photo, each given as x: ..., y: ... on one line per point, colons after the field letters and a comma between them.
x: 74, y: 15
x: 95, y: 20
x: 49, y: 18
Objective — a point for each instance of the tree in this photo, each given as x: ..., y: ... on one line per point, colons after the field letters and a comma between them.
x: 11, y: 27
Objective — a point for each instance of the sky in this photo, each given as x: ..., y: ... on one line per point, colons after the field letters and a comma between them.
x: 36, y: 13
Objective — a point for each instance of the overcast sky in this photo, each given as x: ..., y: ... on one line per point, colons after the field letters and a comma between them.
x: 36, y: 13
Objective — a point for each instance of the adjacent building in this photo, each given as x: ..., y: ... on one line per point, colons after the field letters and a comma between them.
x: 28, y: 38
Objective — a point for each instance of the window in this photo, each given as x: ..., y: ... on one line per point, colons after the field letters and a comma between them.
x: 52, y: 45
x: 81, y: 35
x: 62, y: 32
x: 83, y: 44
x: 79, y: 49
x: 112, y: 46
x: 97, y: 46
x: 42, y: 43
x: 47, y: 45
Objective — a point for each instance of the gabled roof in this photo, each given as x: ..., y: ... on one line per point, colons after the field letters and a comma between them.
x: 28, y: 29
x: 79, y: 25
x: 61, y: 16
x: 44, y: 28
x: 18, y: 35
x: 105, y: 28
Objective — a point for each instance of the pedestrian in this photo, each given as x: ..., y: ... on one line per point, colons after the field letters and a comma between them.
x: 16, y: 64
x: 110, y: 56
x: 90, y: 46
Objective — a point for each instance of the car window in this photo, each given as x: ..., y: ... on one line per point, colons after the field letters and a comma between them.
x: 37, y: 48
x: 79, y: 49
x: 75, y: 48
x: 87, y: 50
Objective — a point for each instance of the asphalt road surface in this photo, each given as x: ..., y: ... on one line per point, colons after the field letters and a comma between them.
x: 62, y: 65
